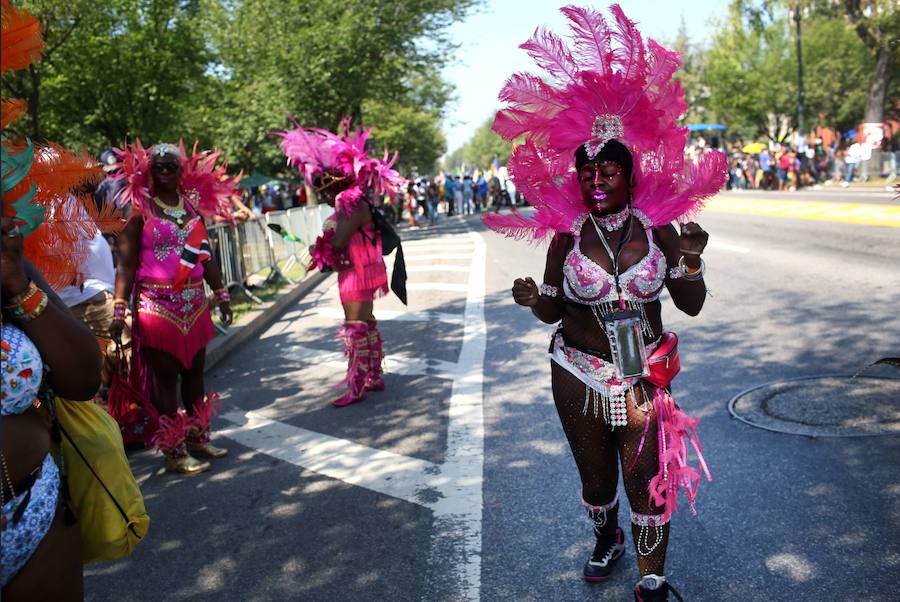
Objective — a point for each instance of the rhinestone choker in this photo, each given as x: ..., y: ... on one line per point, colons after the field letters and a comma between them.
x: 613, y: 221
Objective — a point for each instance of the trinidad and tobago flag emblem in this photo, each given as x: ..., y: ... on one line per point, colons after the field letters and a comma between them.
x: 196, y: 248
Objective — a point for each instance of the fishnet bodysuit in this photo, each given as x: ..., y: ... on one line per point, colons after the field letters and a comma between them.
x: 596, y: 450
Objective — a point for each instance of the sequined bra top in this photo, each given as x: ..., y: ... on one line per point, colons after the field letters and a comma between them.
x: 587, y: 283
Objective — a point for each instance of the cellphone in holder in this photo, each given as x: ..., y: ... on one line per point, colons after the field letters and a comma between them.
x: 623, y: 328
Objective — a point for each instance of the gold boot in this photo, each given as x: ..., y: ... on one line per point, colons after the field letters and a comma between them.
x: 198, y: 443
x: 205, y: 450
x: 185, y: 464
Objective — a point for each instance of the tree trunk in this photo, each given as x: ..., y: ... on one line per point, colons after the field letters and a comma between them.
x: 878, y: 88
x: 881, y: 81
x: 34, y: 103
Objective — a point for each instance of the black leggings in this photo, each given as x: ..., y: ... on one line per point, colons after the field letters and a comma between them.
x: 596, y: 449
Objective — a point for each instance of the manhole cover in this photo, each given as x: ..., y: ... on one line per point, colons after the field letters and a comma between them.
x: 823, y: 406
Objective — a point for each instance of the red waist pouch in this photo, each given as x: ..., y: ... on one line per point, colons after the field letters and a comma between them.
x: 664, y: 361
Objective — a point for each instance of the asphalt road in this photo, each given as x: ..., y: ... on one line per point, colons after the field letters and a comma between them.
x: 457, y: 482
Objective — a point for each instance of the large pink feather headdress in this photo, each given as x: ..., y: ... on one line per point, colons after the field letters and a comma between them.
x: 606, y: 85
x: 316, y: 152
x: 384, y: 178
x: 204, y: 184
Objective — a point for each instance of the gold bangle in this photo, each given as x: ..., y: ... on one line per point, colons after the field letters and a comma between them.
x: 22, y: 297
x: 37, y: 311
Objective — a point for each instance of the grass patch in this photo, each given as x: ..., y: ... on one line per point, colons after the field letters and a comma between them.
x: 242, y: 304
x: 296, y: 272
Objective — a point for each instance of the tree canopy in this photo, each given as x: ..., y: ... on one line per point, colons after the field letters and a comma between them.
x: 750, y: 69
x: 479, y: 152
x: 230, y: 72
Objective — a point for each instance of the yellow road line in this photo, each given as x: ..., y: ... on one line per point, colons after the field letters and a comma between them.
x: 851, y: 213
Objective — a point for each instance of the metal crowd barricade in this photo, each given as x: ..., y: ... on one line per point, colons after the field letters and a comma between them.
x: 256, y: 250
x: 250, y: 247
x: 304, y: 223
x: 223, y: 243
x: 224, y: 247
x: 284, y: 251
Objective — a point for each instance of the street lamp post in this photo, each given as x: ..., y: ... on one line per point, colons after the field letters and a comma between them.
x: 800, y: 98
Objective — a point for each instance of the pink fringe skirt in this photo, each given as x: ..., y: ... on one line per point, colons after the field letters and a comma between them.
x: 365, y: 278
x: 177, y: 322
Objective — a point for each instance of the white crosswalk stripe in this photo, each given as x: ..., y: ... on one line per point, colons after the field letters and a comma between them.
x: 451, y: 489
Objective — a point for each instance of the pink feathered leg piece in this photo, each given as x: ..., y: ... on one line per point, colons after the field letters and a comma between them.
x: 374, y: 378
x: 356, y: 347
x: 170, y: 440
x: 198, y: 436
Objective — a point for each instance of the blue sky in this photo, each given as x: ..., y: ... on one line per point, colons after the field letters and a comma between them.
x: 490, y: 38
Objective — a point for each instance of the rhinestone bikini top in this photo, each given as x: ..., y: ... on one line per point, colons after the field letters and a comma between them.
x: 587, y: 283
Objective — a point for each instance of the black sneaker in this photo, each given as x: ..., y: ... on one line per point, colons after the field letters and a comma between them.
x: 659, y: 593
x: 605, y: 555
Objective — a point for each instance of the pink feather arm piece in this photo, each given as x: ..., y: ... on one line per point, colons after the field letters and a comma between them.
x: 323, y: 254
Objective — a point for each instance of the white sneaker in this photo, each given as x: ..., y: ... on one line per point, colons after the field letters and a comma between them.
x: 652, y: 581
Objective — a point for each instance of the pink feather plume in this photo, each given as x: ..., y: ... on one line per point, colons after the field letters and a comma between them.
x: 199, y: 172
x: 607, y: 69
x: 211, y: 182
x: 677, y: 435
x: 133, y: 167
x: 315, y: 151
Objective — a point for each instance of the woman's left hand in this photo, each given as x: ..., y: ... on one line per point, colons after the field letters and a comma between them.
x: 692, y: 240
x: 225, y: 313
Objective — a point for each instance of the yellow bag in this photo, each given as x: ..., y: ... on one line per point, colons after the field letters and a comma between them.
x: 104, y: 495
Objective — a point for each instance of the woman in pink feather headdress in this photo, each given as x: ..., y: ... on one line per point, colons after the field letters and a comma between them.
x: 165, y: 258
x: 603, y: 164
x: 348, y: 179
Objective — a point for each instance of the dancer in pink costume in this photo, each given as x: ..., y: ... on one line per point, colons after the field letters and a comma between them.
x: 347, y: 178
x: 164, y: 259
x: 603, y: 164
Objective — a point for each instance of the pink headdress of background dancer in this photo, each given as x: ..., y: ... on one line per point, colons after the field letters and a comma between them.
x: 204, y: 184
x: 607, y: 84
x: 341, y: 159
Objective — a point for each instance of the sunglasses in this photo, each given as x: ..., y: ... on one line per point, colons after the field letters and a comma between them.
x: 327, y: 180
x: 165, y: 167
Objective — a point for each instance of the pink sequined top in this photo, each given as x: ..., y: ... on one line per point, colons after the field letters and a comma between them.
x: 587, y: 283
x: 161, y: 245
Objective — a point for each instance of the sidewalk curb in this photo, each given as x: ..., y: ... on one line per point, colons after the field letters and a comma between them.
x: 258, y: 320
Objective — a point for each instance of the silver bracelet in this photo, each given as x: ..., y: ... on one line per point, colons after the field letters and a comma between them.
x: 548, y: 290
x: 676, y: 273
x: 692, y: 277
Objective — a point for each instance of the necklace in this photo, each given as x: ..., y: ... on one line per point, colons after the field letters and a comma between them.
x: 177, y: 212
x: 614, y: 221
x: 614, y: 257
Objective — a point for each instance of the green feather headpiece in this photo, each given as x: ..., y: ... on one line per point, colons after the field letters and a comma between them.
x: 15, y: 168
